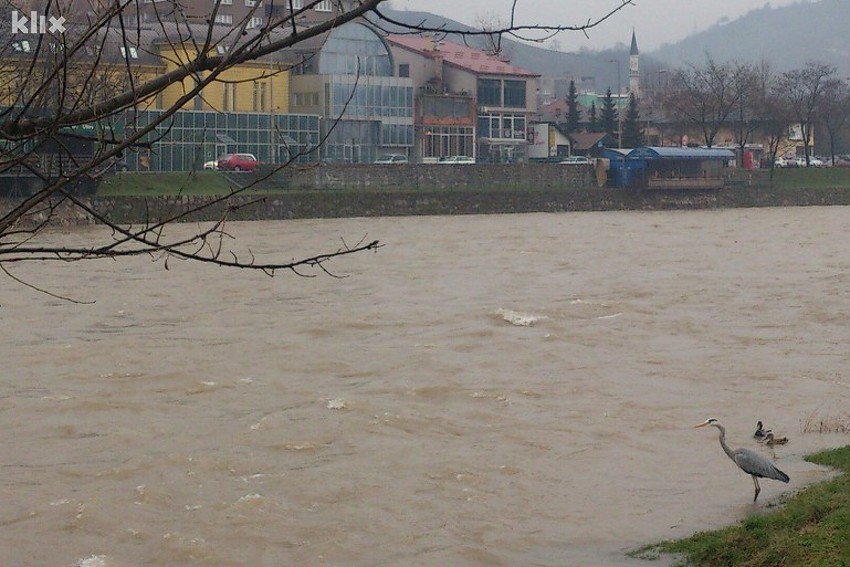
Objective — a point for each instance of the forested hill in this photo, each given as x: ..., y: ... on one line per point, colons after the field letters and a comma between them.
x: 787, y: 37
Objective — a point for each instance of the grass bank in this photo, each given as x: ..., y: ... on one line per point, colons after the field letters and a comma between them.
x: 813, y: 178
x: 158, y: 184
x: 810, y: 529
x: 215, y: 183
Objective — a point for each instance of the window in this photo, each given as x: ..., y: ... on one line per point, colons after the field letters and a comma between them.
x: 228, y: 97
x: 223, y: 19
x: 515, y: 94
x: 446, y: 107
x: 256, y: 21
x: 250, y: 3
x: 404, y: 70
x: 306, y: 99
x: 259, y: 96
x: 355, y: 49
x: 130, y: 52
x: 490, y: 92
x: 297, y: 4
x: 495, y: 92
x: 224, y: 2
x: 324, y: 6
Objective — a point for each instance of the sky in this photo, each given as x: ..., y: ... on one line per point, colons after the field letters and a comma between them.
x: 655, y: 22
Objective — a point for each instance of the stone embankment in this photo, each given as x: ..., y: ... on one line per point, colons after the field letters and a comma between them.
x: 368, y: 191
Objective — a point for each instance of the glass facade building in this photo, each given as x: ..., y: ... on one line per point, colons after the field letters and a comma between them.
x: 366, y: 110
x: 188, y: 139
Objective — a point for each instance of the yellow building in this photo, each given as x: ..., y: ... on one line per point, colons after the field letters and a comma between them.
x: 255, y: 86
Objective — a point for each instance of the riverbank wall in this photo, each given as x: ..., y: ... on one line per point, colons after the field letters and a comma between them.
x: 373, y: 195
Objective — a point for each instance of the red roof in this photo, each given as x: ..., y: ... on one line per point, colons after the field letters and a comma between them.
x: 461, y: 56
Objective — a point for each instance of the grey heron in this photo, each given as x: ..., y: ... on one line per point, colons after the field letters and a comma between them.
x: 748, y: 461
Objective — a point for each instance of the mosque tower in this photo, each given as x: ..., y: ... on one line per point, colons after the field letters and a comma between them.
x: 634, y: 69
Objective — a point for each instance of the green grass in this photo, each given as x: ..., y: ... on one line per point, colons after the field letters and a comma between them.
x: 814, y: 178
x: 151, y: 184
x: 809, y: 529
x: 214, y: 183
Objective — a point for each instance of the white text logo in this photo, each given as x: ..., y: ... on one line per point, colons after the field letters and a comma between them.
x: 37, y: 24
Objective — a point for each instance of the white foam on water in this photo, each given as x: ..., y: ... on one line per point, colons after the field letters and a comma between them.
x: 92, y: 561
x: 518, y: 318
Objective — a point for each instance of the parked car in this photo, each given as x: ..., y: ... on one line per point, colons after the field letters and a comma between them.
x: 211, y: 164
x: 782, y: 162
x: 813, y: 162
x: 238, y: 162
x: 392, y: 158
x: 456, y: 159
x: 577, y: 160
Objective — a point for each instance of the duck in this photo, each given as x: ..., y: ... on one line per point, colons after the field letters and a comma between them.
x: 770, y: 440
x: 761, y: 431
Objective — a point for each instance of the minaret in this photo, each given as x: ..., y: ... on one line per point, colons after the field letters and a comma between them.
x: 634, y: 70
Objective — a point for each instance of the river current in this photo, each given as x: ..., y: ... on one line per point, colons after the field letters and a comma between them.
x: 483, y: 391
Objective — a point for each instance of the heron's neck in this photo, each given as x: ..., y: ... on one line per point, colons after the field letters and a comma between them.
x: 723, y: 441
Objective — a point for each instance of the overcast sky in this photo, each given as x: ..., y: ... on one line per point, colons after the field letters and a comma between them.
x: 655, y: 21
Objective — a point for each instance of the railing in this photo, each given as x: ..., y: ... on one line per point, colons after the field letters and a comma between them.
x: 685, y: 183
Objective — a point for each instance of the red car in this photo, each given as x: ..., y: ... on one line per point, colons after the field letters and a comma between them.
x: 238, y: 162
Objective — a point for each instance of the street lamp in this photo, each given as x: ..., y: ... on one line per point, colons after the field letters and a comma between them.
x: 619, y: 109
x: 660, y: 99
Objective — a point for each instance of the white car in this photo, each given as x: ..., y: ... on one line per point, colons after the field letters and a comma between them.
x: 211, y: 164
x: 456, y: 159
x: 577, y: 160
x: 813, y: 162
x: 392, y: 158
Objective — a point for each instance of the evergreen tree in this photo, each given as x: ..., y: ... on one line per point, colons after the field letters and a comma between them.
x: 593, y: 122
x: 609, y: 114
x: 632, y: 131
x: 573, y: 113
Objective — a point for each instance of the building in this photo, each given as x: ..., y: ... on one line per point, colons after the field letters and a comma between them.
x: 243, y: 109
x: 467, y: 101
x: 668, y: 167
x: 347, y: 77
x: 230, y: 13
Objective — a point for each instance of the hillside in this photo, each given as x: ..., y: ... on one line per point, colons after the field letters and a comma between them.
x: 787, y: 37
x: 538, y: 59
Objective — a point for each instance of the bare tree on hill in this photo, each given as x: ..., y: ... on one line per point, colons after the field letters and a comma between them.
x: 803, y: 91
x: 703, y: 96
x: 834, y: 112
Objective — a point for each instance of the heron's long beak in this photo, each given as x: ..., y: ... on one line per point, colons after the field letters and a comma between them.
x: 701, y: 424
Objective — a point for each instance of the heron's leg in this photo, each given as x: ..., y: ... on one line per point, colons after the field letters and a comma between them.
x: 758, y: 488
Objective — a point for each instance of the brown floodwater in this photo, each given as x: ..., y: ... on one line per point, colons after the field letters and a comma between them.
x: 483, y: 391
